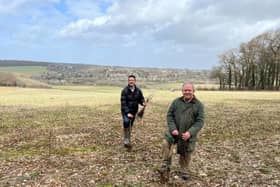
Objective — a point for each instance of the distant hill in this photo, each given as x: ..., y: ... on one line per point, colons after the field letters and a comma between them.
x: 83, y: 74
x: 30, y: 70
x: 20, y: 80
x: 22, y: 63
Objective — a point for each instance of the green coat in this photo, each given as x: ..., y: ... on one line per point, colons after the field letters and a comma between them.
x: 184, y: 117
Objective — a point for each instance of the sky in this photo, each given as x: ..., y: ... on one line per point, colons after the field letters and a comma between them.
x: 184, y: 34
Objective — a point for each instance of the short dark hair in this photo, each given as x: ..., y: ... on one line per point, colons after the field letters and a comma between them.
x: 133, y: 76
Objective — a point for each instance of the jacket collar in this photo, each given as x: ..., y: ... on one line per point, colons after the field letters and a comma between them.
x: 193, y: 100
x: 128, y: 87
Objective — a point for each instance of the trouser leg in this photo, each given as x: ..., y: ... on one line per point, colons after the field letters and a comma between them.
x: 167, y: 154
x: 127, y: 126
x: 126, y: 136
x: 184, y: 162
x: 127, y: 122
x: 167, y: 158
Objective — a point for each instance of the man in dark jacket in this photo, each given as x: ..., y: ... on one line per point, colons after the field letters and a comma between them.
x: 185, y: 118
x: 131, y: 96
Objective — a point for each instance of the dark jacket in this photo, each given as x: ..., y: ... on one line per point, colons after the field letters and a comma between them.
x: 130, y: 100
x: 184, y: 117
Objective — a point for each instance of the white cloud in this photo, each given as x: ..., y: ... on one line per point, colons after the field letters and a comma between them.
x: 132, y: 17
x: 148, y: 12
x: 87, y: 29
x: 85, y: 25
x: 182, y: 21
x: 246, y: 32
x: 167, y: 31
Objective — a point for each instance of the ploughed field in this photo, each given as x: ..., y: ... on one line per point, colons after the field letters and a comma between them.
x: 72, y: 136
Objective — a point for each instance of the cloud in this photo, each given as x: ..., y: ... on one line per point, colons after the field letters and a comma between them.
x: 85, y: 25
x: 126, y: 17
x: 181, y: 21
x: 181, y: 33
x: 249, y: 11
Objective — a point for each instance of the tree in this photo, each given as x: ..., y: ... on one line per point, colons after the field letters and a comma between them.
x: 255, y: 65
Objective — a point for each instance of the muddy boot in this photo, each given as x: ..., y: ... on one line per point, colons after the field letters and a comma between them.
x: 127, y: 136
x: 184, y: 176
x: 164, y: 172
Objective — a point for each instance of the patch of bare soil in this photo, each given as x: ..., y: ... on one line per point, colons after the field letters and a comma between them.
x: 89, y: 152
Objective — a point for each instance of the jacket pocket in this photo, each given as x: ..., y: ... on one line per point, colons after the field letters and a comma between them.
x: 191, y: 145
x: 169, y: 138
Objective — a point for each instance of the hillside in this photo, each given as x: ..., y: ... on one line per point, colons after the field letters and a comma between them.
x: 20, y: 74
x: 20, y: 80
x: 21, y: 63
x: 81, y: 74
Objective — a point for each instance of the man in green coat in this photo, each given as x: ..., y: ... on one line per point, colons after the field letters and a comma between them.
x: 185, y: 118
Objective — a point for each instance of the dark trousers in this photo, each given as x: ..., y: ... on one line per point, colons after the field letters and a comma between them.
x: 184, y: 160
x: 127, y: 120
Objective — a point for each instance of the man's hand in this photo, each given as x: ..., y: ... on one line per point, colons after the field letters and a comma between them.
x: 129, y: 115
x: 186, y: 136
x: 175, y: 132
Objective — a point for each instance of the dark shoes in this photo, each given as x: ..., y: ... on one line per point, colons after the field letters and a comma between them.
x: 164, y: 173
x: 184, y: 176
x: 128, y: 147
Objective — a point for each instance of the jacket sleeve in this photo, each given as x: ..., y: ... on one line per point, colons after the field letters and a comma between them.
x: 124, y: 106
x: 171, y: 117
x: 141, y: 99
x: 198, y: 122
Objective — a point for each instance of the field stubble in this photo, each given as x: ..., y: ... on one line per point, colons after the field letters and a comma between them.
x: 79, y: 143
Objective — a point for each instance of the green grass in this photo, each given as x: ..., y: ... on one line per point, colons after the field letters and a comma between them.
x: 24, y: 69
x: 58, y: 97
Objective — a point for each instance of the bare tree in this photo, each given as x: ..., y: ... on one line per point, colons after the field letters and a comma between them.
x: 255, y: 65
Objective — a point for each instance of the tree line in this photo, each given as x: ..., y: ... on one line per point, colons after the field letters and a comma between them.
x: 255, y: 65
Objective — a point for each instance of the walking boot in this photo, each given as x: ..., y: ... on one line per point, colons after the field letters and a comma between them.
x: 184, y: 175
x: 127, y: 136
x: 164, y: 171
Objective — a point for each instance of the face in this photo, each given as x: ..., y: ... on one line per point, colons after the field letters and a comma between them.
x: 131, y: 81
x: 187, y: 91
